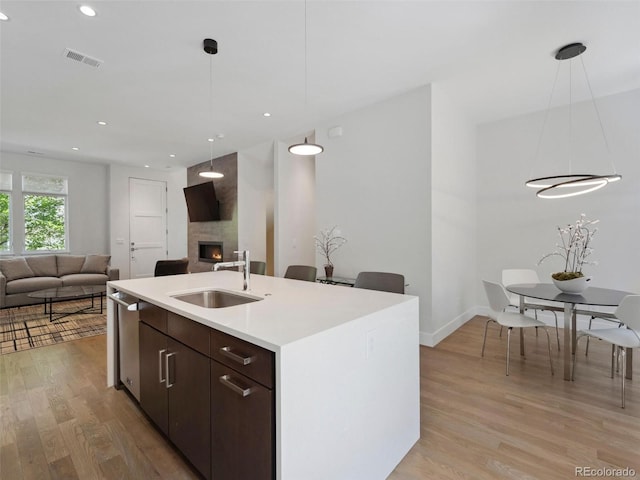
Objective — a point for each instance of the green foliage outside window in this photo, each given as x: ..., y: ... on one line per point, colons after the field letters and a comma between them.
x: 4, y: 222
x: 44, y: 222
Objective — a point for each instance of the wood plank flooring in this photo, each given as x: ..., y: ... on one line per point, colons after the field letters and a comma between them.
x: 59, y: 421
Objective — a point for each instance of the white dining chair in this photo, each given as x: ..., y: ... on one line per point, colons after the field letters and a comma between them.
x: 498, y: 301
x: 628, y: 312
x: 511, y: 276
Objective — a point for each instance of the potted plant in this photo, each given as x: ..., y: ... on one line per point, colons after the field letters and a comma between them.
x: 575, y: 248
x: 327, y: 242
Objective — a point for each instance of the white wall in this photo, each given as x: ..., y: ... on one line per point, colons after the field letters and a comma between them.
x: 453, y: 216
x: 255, y: 189
x: 374, y: 181
x: 176, y: 212
x: 294, y: 208
x: 515, y: 228
x: 88, y: 199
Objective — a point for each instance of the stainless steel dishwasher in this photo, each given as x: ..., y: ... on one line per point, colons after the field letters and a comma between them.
x: 128, y: 355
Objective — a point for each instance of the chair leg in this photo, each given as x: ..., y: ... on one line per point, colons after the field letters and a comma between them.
x: 508, y: 347
x: 586, y: 349
x: 623, y: 354
x: 484, y: 340
x: 549, y: 348
x: 535, y: 314
x: 614, y: 360
x: 573, y: 360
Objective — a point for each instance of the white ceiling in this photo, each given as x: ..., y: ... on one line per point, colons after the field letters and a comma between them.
x: 153, y: 87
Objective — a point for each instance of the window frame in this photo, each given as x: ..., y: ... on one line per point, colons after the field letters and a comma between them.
x: 9, y: 193
x: 25, y: 192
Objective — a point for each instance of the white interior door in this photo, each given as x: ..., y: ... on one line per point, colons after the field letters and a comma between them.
x: 147, y: 225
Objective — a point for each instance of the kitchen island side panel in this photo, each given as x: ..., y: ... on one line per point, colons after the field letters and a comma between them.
x: 348, y: 399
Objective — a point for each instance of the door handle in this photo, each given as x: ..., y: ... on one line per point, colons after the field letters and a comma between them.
x: 160, y: 352
x: 166, y: 363
x: 226, y: 351
x: 226, y: 381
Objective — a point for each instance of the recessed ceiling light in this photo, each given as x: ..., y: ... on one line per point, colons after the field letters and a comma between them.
x: 101, y: 123
x: 88, y: 11
x: 75, y: 148
x: 211, y: 139
x: 266, y: 114
x: 172, y: 155
x: 146, y: 166
x: 3, y: 17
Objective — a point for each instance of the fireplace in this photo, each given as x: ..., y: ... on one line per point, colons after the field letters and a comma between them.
x: 210, y: 252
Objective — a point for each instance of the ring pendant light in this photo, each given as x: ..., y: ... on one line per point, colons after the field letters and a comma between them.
x: 562, y: 186
x: 210, y: 46
x: 306, y: 148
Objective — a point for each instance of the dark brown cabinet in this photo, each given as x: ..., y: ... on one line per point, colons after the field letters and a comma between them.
x: 153, y: 376
x: 212, y: 395
x: 242, y: 409
x: 175, y: 394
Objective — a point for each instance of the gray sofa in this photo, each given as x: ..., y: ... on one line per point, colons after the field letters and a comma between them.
x: 20, y: 276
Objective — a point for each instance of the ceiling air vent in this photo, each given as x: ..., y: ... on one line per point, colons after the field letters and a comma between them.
x: 82, y: 58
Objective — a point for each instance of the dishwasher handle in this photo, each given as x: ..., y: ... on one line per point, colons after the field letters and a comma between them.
x: 130, y: 303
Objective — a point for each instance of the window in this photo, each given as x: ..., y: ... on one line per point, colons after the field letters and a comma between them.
x: 6, y: 180
x: 45, y: 212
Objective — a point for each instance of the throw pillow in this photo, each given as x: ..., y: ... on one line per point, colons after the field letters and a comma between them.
x: 43, y: 265
x: 95, y: 264
x: 68, y: 264
x: 15, y: 268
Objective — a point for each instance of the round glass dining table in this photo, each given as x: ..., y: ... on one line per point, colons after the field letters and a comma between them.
x: 592, y: 296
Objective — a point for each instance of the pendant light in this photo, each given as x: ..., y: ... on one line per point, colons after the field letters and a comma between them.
x: 210, y: 46
x: 305, y: 148
x: 570, y: 185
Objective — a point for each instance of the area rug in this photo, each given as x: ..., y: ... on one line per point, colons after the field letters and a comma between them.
x: 22, y: 328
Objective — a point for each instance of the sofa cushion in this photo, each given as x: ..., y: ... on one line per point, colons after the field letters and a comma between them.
x: 15, y: 268
x: 84, y: 279
x: 25, y: 285
x: 43, y: 265
x: 68, y: 264
x: 95, y: 264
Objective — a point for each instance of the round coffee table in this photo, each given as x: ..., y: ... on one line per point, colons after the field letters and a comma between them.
x: 72, y: 292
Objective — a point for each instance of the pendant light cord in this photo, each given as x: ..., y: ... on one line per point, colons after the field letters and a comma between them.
x: 571, y: 116
x: 595, y: 106
x: 544, y: 122
x: 211, y: 109
x: 305, y: 55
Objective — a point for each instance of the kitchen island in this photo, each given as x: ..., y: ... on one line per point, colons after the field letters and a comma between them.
x: 345, y: 365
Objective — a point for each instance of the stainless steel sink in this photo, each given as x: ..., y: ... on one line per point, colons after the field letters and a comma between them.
x: 215, y: 298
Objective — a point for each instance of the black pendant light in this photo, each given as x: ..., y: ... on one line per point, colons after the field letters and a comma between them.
x: 306, y: 148
x: 210, y: 46
x: 571, y: 184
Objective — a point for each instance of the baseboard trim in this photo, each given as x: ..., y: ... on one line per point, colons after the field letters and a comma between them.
x: 432, y: 339
x: 429, y: 339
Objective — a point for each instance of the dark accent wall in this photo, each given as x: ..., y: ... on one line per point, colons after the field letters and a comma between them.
x: 224, y: 230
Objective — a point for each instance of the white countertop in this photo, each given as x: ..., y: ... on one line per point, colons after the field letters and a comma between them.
x: 291, y: 310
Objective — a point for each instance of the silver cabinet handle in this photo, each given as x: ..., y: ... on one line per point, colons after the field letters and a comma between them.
x: 226, y: 351
x: 166, y: 364
x: 226, y: 381
x: 160, y: 352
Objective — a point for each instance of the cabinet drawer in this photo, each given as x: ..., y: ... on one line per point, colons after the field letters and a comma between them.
x: 244, y: 357
x: 188, y: 332
x: 153, y: 316
x: 242, y: 426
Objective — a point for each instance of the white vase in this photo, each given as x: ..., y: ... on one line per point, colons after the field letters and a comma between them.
x: 574, y: 286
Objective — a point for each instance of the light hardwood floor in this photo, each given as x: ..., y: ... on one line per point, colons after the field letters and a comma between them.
x: 57, y: 419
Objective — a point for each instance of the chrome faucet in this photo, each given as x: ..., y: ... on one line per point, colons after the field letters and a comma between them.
x: 244, y: 263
